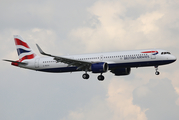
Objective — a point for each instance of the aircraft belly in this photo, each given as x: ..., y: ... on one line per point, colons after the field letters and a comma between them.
x: 139, y: 64
x: 64, y: 68
x: 60, y: 69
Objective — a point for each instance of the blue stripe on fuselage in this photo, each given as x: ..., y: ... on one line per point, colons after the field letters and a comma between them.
x: 112, y: 66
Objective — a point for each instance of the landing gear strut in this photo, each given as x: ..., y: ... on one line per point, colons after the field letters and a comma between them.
x: 157, y: 72
x: 101, y: 77
x: 86, y: 75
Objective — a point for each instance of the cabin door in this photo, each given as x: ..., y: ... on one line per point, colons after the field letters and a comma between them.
x: 153, y: 55
x: 37, y: 62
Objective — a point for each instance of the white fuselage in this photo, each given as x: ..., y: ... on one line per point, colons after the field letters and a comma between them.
x: 118, y: 63
x: 125, y: 59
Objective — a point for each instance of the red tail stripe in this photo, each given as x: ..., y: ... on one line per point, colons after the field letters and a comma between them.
x: 19, y: 42
x: 15, y: 64
x: 27, y: 57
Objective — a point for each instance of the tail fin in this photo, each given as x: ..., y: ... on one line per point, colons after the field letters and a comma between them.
x: 23, y: 50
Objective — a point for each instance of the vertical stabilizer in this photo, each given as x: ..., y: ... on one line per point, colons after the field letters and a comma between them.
x: 23, y: 50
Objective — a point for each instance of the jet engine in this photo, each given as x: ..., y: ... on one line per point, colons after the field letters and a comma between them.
x: 121, y: 71
x: 99, y: 67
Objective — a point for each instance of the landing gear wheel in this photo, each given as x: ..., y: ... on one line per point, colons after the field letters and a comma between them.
x: 100, y: 77
x: 85, y: 76
x: 157, y: 73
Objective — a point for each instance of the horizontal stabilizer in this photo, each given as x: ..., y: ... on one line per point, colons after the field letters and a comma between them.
x: 22, y: 63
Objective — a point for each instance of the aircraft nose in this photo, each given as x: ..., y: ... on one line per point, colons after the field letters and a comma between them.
x: 173, y: 58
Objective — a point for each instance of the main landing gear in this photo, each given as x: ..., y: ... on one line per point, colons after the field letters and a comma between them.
x: 157, y: 72
x: 101, y: 77
x: 86, y: 76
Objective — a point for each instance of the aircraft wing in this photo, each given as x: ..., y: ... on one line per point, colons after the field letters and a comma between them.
x: 83, y: 65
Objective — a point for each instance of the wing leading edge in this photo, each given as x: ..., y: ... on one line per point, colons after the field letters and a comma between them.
x: 82, y: 65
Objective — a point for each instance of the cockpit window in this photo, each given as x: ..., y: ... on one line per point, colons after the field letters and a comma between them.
x: 165, y: 53
x: 168, y: 52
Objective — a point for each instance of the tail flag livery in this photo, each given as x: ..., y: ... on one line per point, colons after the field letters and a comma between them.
x: 23, y: 50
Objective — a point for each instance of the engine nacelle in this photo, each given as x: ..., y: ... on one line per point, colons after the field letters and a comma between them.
x: 99, y: 67
x: 121, y: 71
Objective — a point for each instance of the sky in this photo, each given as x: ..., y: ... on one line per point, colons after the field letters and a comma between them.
x: 67, y: 27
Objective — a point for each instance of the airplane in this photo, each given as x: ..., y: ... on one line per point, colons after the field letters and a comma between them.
x: 118, y: 63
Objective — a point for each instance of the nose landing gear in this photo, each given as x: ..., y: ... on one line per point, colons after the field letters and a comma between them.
x: 157, y: 72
